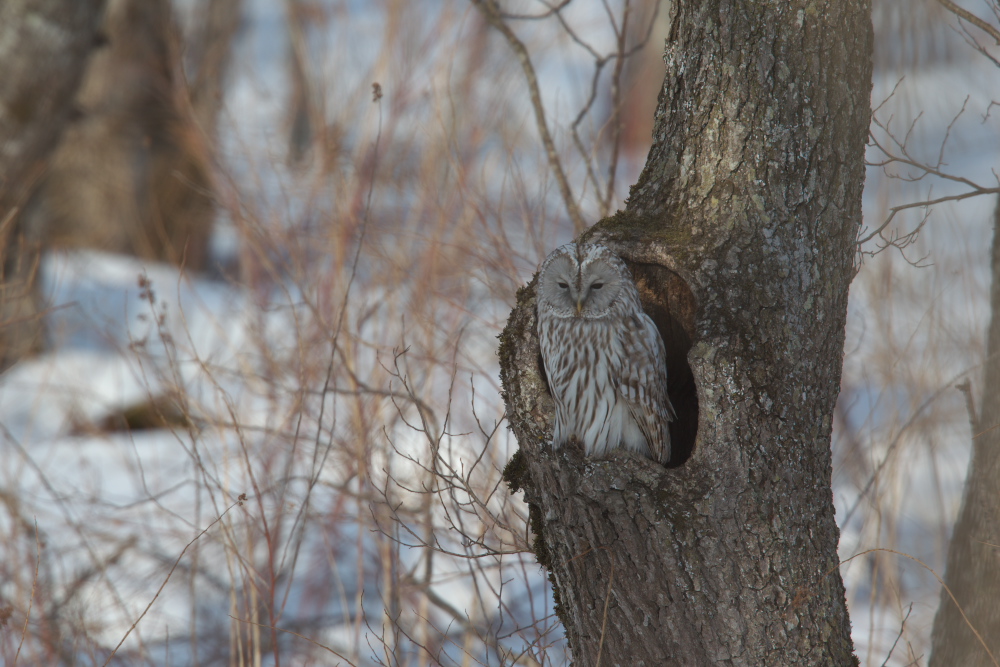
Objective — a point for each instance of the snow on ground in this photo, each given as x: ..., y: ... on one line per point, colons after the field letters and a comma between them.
x: 116, y: 509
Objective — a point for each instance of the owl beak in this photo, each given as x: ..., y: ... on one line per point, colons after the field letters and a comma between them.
x: 579, y: 306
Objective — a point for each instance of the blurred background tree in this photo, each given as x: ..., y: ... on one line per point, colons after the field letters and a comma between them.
x: 45, y: 48
x: 967, y: 624
x: 131, y: 172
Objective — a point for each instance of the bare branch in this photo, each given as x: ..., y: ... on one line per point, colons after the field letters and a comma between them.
x: 972, y: 18
x: 493, y: 17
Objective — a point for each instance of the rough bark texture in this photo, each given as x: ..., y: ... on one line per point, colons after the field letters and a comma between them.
x: 973, y: 573
x: 44, y: 45
x: 741, y: 232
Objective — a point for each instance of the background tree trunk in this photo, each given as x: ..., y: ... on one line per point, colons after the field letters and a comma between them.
x: 44, y: 47
x: 133, y: 174
x: 973, y: 572
x: 131, y: 171
x: 741, y: 234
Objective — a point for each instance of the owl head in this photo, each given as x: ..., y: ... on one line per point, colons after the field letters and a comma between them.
x: 581, y: 280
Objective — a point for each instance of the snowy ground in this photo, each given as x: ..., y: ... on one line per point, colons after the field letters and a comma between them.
x: 115, y: 509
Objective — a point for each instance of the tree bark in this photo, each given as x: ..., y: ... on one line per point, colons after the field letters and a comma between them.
x: 44, y: 46
x: 973, y: 571
x: 741, y: 234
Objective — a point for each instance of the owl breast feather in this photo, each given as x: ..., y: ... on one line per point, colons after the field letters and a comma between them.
x: 583, y: 362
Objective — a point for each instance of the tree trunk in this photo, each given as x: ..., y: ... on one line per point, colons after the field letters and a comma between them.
x: 973, y: 573
x: 44, y: 46
x: 741, y: 234
x: 133, y: 175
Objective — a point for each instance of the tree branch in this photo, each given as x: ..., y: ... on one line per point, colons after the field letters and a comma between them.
x: 971, y: 18
x: 493, y: 17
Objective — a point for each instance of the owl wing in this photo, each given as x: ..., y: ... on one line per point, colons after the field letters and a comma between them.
x: 643, y: 382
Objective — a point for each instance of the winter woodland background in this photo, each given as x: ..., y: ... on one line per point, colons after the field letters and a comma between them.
x: 293, y: 454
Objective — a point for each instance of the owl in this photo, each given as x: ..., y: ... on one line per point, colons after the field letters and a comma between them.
x: 604, y: 358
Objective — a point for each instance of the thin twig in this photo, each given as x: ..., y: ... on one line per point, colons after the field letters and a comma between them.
x: 239, y: 501
x: 940, y: 581
x: 896, y: 152
x: 902, y: 626
x: 31, y: 600
x: 898, y: 438
x: 493, y: 17
x: 555, y: 9
x: 616, y: 103
x: 922, y: 204
x: 292, y: 632
x: 972, y: 18
x: 319, y: 462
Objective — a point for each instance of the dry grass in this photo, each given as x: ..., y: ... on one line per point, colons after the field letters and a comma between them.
x: 328, y: 485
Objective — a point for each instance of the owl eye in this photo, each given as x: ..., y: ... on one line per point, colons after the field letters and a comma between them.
x: 597, y: 286
x: 562, y: 285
